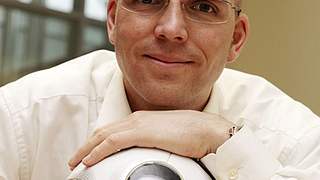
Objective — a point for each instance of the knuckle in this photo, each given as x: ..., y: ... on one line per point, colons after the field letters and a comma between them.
x: 81, y: 151
x: 97, y: 131
x: 90, y: 143
x: 97, y: 152
x: 137, y: 118
x: 112, y: 142
x: 100, y: 135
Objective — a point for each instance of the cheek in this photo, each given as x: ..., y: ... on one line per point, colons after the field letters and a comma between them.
x: 132, y: 27
x: 131, y: 33
x: 127, y: 32
x: 215, y: 46
x: 131, y: 30
x: 214, y: 42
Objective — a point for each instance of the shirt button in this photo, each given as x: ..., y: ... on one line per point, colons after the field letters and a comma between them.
x: 233, y: 174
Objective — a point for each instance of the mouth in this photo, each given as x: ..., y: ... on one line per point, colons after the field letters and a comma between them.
x: 168, y: 61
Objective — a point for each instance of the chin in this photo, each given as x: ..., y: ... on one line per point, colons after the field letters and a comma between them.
x: 162, y: 100
x: 163, y: 94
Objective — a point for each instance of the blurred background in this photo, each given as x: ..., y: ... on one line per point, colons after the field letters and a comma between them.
x: 37, y: 34
x: 283, y: 47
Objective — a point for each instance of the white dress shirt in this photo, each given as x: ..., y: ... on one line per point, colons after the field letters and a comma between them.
x: 46, y: 116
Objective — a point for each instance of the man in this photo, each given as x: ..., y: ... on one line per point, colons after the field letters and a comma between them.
x: 170, y: 91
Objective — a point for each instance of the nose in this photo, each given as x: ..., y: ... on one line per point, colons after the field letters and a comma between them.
x: 171, y: 25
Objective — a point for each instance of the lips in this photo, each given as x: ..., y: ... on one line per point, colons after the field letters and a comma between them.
x: 168, y: 59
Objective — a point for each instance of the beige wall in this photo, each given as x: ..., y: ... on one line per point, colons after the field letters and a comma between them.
x: 284, y: 47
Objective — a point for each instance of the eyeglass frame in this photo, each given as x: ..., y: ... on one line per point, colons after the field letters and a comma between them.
x: 236, y: 9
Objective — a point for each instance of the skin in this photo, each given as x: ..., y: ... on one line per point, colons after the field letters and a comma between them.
x: 169, y: 63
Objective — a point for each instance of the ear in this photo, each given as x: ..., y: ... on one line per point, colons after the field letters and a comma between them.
x: 111, y: 20
x: 240, y: 36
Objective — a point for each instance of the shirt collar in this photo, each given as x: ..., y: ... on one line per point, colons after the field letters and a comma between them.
x: 115, y: 105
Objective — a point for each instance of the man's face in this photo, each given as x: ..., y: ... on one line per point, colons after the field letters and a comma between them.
x: 169, y: 61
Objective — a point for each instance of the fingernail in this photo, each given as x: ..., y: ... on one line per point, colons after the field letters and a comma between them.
x: 87, y: 160
x: 71, y: 162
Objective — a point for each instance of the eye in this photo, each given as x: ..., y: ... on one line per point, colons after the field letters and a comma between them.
x: 146, y: 1
x: 149, y: 1
x: 205, y: 6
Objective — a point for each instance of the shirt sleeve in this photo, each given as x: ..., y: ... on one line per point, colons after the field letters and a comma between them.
x: 9, y: 160
x: 244, y: 157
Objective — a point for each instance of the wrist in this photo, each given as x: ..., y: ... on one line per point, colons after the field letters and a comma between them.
x: 223, y: 134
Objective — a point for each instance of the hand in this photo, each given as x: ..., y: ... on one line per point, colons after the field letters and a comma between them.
x: 187, y: 133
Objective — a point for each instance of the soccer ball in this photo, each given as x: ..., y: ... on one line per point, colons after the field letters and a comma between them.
x: 142, y: 164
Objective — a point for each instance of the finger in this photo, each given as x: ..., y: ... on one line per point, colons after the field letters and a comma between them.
x: 97, y: 138
x: 109, y: 146
x: 84, y: 150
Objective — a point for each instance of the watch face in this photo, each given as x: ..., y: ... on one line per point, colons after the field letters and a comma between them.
x: 153, y: 171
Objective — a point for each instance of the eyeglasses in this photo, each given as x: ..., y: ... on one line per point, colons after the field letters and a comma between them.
x: 202, y: 11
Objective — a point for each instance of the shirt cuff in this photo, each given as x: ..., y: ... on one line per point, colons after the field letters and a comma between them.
x: 242, y: 157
